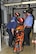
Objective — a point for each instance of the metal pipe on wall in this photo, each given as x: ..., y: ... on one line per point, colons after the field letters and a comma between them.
x: 12, y: 4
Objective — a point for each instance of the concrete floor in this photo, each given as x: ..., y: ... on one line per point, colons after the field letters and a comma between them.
x: 27, y: 49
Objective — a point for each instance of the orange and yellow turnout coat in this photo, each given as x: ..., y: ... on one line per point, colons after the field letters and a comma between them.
x: 19, y: 33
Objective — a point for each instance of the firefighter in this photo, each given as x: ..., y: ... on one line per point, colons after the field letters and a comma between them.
x: 11, y: 26
x: 28, y: 25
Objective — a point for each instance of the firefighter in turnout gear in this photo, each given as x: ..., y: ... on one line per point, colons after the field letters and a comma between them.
x: 19, y: 33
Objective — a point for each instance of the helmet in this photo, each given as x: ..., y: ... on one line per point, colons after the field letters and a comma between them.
x: 21, y: 20
x: 18, y: 14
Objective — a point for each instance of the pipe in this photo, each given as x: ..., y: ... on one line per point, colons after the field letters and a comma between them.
x: 12, y: 4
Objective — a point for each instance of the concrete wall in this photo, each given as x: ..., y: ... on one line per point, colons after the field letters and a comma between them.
x: 11, y: 1
x: 0, y: 40
x: 34, y: 13
x: 5, y: 14
x: 14, y: 0
x: 34, y: 30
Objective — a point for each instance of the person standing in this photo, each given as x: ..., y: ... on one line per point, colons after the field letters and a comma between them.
x: 28, y: 26
x: 11, y: 27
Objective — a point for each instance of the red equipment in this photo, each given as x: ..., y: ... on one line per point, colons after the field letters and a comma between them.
x: 21, y: 20
x: 18, y: 14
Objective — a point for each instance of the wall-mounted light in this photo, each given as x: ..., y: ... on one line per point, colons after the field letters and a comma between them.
x: 11, y: 4
x: 29, y: 2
